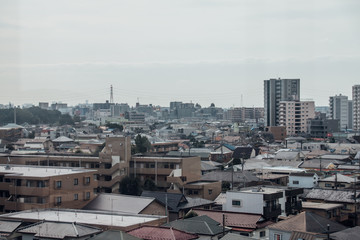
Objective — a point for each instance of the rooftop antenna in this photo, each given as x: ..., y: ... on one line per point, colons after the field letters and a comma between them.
x: 14, y: 114
x: 111, y: 94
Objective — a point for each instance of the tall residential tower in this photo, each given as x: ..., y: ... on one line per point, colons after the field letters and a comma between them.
x: 276, y: 90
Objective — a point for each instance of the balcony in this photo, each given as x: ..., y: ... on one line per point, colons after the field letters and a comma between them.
x: 29, y: 191
x: 291, y: 208
x: 272, y: 212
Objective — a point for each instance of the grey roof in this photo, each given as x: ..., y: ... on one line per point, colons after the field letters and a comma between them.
x: 62, y: 139
x: 58, y: 230
x: 287, y: 155
x: 347, y: 234
x: 8, y: 226
x: 206, y: 166
x: 302, y: 174
x: 242, y: 152
x: 174, y: 200
x: 330, y: 195
x: 194, y: 202
x: 338, y: 178
x: 202, y: 225
x: 225, y: 176
x: 114, y: 235
x: 233, y: 236
x: 315, y: 163
x: 335, y: 156
x: 119, y: 203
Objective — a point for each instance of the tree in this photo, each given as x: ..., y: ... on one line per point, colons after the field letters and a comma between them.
x: 142, y: 144
x: 225, y: 186
x: 115, y: 126
x: 130, y: 186
x: 149, y: 185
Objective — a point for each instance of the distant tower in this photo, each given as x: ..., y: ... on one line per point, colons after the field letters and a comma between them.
x: 111, y: 94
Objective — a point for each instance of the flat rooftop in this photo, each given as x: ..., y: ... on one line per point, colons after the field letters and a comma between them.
x: 82, y: 216
x: 39, y: 171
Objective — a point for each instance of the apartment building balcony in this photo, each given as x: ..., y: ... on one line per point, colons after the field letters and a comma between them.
x: 272, y: 212
x: 293, y: 207
x: 20, y: 206
x: 29, y: 191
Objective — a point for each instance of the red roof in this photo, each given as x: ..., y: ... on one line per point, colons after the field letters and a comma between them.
x: 232, y: 219
x: 161, y: 233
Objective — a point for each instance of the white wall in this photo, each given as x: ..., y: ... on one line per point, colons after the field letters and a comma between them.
x: 304, y: 182
x: 250, y: 202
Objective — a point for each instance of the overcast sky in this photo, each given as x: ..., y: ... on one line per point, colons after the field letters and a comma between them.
x: 159, y: 51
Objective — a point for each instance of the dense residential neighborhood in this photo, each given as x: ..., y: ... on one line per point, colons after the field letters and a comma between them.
x: 289, y: 170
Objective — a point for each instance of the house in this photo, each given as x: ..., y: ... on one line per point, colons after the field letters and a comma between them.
x: 337, y: 181
x: 303, y: 179
x: 57, y: 230
x: 126, y: 204
x: 319, y: 164
x: 114, y: 235
x: 244, y: 153
x: 203, y: 226
x: 306, y: 225
x: 344, y: 197
x: 331, y: 211
x: 177, y: 204
x: 205, y: 189
x: 7, y: 228
x: 347, y: 234
x: 209, y: 166
x: 289, y: 155
x: 239, y: 178
x: 163, y: 233
x: 250, y: 225
x: 268, y: 201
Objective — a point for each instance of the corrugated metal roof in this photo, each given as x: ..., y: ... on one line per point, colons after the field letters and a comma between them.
x: 59, y: 230
x: 9, y: 226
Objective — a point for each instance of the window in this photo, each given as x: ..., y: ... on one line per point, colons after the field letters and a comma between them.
x: 76, y: 181
x: 295, y: 182
x: 277, y: 236
x: 76, y: 196
x: 262, y: 234
x: 87, y: 180
x: 58, y: 184
x: 328, y: 185
x: 210, y: 191
x: 87, y: 195
x: 58, y: 200
x: 236, y: 203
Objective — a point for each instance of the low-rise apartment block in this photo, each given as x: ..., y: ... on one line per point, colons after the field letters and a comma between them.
x: 30, y: 187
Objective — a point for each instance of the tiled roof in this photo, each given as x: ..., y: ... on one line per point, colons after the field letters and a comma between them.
x: 307, y: 222
x: 114, y: 235
x: 161, y: 233
x: 242, y: 152
x: 202, y: 225
x: 226, y: 176
x: 330, y: 195
x: 174, y: 200
x: 232, y: 219
x: 347, y: 234
x: 339, y: 178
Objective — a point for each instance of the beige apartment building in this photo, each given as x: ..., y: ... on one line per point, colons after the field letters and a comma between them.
x: 294, y: 114
x: 33, y: 187
x: 111, y: 165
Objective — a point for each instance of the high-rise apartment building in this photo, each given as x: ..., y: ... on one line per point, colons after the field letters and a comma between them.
x: 341, y: 109
x: 356, y: 107
x: 276, y: 90
x: 294, y: 115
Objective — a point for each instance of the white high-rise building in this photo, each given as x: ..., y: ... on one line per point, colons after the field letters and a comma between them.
x: 294, y: 115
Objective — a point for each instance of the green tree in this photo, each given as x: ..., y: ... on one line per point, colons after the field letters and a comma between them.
x: 225, y: 186
x: 149, y: 185
x: 115, y: 126
x: 142, y: 144
x: 130, y: 186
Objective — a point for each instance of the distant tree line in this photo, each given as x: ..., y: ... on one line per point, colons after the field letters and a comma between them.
x: 34, y: 115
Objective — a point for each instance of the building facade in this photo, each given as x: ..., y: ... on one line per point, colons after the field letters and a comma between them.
x: 356, y: 107
x: 276, y: 90
x: 294, y: 115
x: 341, y: 109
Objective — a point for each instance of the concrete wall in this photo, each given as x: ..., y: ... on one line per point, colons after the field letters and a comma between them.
x: 250, y: 202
